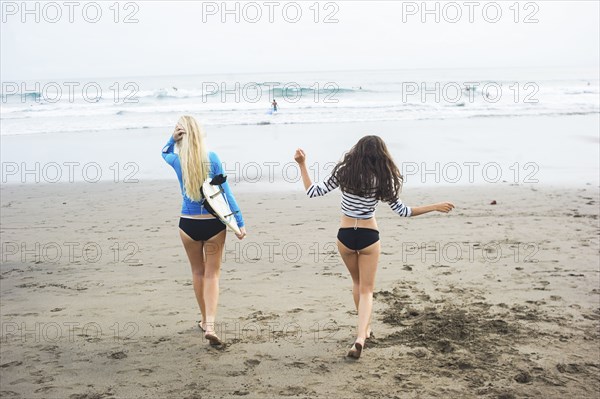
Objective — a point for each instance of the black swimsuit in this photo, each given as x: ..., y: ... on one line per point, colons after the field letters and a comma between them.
x: 358, y: 238
x: 201, y: 229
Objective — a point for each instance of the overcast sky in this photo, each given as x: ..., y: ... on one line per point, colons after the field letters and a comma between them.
x: 171, y: 38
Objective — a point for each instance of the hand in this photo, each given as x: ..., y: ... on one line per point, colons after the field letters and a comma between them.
x: 178, y: 133
x: 444, y: 207
x: 242, y: 233
x: 300, y: 156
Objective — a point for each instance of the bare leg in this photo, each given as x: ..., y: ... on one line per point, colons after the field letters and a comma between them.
x: 213, y: 249
x: 195, y: 253
x: 367, y: 265
x: 350, y: 258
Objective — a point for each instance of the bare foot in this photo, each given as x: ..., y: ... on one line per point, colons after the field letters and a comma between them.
x: 356, y: 349
x: 213, y: 339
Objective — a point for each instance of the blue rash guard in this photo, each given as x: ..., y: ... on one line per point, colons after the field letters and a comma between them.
x: 189, y: 206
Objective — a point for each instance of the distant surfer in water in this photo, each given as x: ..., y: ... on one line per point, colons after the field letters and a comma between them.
x: 274, y: 104
x: 202, y: 234
x: 365, y: 176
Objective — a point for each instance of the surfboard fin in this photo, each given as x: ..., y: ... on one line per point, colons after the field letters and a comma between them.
x: 217, y: 180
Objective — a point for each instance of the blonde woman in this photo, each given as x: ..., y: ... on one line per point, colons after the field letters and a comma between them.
x: 202, y: 234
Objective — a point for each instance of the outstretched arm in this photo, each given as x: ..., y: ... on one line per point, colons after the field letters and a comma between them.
x: 443, y: 207
x: 401, y: 209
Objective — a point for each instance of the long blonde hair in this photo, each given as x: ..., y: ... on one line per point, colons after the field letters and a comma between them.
x: 193, y: 157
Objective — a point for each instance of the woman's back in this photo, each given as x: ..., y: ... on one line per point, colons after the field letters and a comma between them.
x: 356, y: 206
x: 189, y: 206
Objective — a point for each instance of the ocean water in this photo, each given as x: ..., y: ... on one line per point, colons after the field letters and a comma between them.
x: 467, y: 127
x: 131, y: 103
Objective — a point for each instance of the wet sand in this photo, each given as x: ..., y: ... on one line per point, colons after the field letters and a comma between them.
x: 494, y: 301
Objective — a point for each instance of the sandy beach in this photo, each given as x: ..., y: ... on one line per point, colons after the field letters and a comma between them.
x: 484, y: 106
x: 494, y: 301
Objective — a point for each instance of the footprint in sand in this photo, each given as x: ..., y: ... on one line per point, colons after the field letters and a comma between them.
x: 118, y: 355
x: 259, y: 316
x: 92, y: 395
x: 252, y: 362
x: 299, y: 365
x: 145, y: 372
x: 321, y: 368
x: 296, y: 391
x: 44, y: 389
x: 234, y: 373
x: 11, y: 364
x: 523, y: 377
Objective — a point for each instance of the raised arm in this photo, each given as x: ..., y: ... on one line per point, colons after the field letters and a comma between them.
x: 300, y: 157
x: 168, y: 151
x: 314, y: 189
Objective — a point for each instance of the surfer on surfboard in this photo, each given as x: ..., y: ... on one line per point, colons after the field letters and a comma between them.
x: 274, y: 105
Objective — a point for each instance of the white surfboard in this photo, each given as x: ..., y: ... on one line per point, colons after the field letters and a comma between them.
x: 215, y: 196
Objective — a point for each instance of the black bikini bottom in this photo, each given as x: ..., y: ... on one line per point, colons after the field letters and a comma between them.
x: 359, y: 238
x: 201, y: 229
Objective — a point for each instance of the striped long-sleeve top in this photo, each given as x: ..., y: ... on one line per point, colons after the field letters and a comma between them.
x: 355, y: 206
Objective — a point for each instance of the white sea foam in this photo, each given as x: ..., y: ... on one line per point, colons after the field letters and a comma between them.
x: 304, y: 98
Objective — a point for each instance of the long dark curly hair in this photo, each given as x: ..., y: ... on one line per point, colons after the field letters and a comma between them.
x: 368, y: 170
